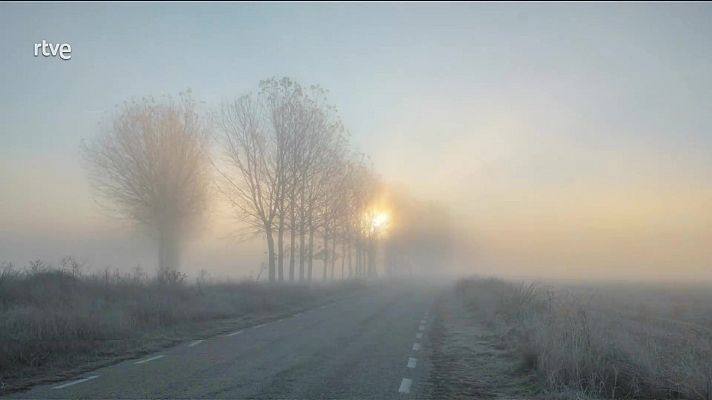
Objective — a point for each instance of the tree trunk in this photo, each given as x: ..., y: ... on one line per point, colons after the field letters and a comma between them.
x: 326, y: 254
x: 311, y: 249
x: 364, y: 258
x: 343, y: 258
x: 349, y: 247
x: 302, y: 236
x: 357, y: 271
x: 292, y: 244
x: 333, y: 255
x: 280, y: 248
x: 371, y: 258
x: 270, y: 255
x: 168, y: 252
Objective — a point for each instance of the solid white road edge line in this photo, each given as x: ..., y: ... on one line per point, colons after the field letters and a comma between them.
x: 411, y: 362
x: 197, y: 342
x: 149, y: 359
x: 88, y: 378
x: 234, y: 333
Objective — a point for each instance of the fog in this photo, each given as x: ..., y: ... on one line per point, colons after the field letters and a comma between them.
x: 543, y: 142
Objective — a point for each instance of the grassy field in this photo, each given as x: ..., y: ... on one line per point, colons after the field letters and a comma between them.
x: 603, y: 341
x: 56, y: 320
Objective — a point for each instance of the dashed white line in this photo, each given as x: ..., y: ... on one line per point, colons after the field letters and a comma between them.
x: 421, y: 328
x: 405, y: 385
x: 422, y: 321
x: 149, y: 359
x: 418, y: 335
x: 416, y: 346
x: 88, y: 378
x: 411, y: 362
x: 259, y: 326
x: 195, y: 343
x: 234, y: 333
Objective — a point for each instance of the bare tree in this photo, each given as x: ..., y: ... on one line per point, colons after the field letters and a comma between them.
x: 289, y: 114
x: 150, y: 165
x: 363, y: 189
x: 263, y: 141
x: 288, y: 170
x: 252, y: 184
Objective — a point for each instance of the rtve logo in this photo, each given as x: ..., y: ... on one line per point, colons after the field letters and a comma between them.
x: 61, y: 50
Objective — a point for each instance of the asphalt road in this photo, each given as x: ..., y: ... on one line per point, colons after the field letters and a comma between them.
x: 372, y: 346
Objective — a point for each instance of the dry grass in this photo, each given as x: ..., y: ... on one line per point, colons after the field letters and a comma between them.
x: 619, y: 341
x: 51, y: 315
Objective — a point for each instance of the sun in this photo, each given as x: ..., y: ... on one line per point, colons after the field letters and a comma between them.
x: 380, y: 220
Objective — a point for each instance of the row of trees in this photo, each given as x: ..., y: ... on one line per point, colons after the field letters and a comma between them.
x: 283, y: 161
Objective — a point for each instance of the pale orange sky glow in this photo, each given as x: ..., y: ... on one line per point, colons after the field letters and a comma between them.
x: 560, y: 140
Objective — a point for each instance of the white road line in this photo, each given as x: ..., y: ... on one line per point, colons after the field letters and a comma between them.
x: 411, y: 362
x: 197, y: 342
x: 259, y: 326
x: 405, y: 386
x: 421, y: 328
x: 423, y: 321
x: 234, y: 333
x: 149, y: 359
x: 88, y: 378
x: 418, y: 335
x: 416, y: 346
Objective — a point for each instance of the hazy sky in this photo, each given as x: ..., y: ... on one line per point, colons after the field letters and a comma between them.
x: 569, y: 140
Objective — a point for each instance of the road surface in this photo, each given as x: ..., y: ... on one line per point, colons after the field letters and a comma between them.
x: 372, y: 346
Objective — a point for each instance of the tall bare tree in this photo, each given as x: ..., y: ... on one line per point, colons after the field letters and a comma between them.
x: 288, y: 170
x: 290, y: 116
x: 151, y: 165
x: 252, y: 182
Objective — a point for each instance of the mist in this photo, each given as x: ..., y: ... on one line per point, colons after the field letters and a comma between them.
x: 586, y: 158
x: 356, y: 200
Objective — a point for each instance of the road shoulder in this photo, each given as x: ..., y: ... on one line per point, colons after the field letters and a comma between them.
x: 469, y: 360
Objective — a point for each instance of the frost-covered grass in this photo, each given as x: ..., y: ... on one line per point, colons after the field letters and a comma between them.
x: 604, y: 341
x: 55, y: 315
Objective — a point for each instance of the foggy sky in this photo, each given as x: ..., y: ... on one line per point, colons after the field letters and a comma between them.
x: 567, y: 140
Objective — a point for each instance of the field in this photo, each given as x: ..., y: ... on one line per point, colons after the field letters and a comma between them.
x: 605, y: 340
x: 57, y: 320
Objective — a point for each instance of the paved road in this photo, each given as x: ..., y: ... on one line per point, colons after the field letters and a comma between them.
x: 373, y: 346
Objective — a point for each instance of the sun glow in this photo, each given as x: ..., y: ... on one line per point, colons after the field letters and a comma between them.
x: 379, y: 221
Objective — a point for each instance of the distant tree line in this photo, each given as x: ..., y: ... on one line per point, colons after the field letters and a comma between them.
x: 284, y: 163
